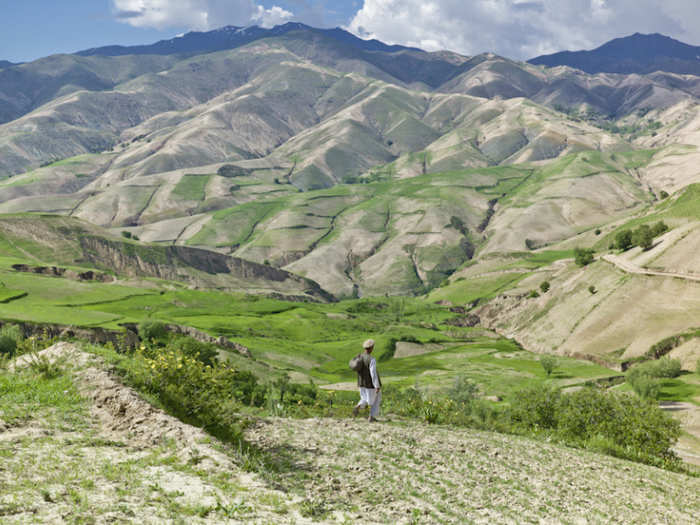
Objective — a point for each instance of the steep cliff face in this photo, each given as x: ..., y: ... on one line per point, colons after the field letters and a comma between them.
x: 199, y: 268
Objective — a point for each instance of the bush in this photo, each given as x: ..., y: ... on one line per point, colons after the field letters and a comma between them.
x: 665, y: 368
x: 533, y: 294
x: 535, y: 408
x: 229, y: 170
x: 126, y: 234
x: 463, y: 390
x: 663, y: 194
x: 637, y: 428
x: 645, y: 386
x: 549, y: 363
x: 583, y: 256
x: 207, y: 396
x: 592, y: 290
x: 153, y: 331
x: 13, y: 331
x: 7, y: 345
x: 616, y: 423
x: 204, y: 352
x: 545, y: 286
x: 668, y: 368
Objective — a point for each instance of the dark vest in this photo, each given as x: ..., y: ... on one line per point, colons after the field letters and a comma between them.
x: 364, y: 379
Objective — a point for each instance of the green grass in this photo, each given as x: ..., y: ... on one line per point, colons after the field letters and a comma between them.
x: 192, y: 187
x: 308, y: 339
x: 24, y: 393
x: 468, y: 290
x: 7, y: 295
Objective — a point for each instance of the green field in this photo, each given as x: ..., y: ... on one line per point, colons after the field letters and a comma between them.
x: 309, y: 341
x: 192, y: 187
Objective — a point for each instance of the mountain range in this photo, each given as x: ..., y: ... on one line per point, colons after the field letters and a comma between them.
x: 640, y: 54
x: 368, y: 169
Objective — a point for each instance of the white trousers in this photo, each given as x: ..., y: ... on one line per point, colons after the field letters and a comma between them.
x: 370, y: 397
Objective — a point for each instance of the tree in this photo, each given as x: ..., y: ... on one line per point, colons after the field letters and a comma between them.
x: 544, y: 286
x: 644, y: 237
x: 583, y: 256
x: 549, y: 363
x: 659, y: 228
x: 623, y: 240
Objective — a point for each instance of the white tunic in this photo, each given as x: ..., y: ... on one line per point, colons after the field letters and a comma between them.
x: 369, y: 396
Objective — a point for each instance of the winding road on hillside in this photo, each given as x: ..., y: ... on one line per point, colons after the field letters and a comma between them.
x: 628, y: 267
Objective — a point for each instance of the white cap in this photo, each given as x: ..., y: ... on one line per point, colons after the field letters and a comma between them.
x: 368, y: 344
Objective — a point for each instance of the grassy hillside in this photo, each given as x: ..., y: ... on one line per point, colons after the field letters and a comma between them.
x: 60, y: 409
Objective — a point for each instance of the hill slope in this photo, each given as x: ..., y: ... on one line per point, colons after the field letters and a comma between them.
x: 145, y: 464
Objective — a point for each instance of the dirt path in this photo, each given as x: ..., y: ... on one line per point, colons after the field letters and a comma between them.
x: 628, y: 267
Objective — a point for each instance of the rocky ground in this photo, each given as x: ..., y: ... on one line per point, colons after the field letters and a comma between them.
x: 116, y: 458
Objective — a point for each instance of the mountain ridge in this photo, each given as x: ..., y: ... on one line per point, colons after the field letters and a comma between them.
x: 638, y: 53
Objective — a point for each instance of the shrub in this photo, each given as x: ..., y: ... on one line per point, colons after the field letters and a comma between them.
x: 463, y: 390
x: 637, y: 428
x: 7, y: 345
x: 645, y: 386
x: 583, y: 256
x: 592, y: 290
x: 544, y: 286
x: 13, y: 331
x: 668, y: 368
x: 535, y: 408
x: 229, y: 170
x: 665, y: 367
x: 204, y: 352
x: 598, y: 231
x: 663, y: 194
x: 208, y: 396
x: 549, y: 363
x: 533, y: 294
x: 126, y: 234
x: 153, y: 331
x: 388, y: 354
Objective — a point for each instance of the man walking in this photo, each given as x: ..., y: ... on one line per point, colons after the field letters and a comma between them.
x: 369, y: 383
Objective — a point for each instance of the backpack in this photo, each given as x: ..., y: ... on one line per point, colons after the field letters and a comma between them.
x: 356, y: 363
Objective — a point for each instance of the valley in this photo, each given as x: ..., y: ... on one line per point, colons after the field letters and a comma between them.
x: 219, y: 220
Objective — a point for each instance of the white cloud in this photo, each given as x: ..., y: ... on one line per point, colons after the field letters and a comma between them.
x: 199, y: 15
x: 521, y: 29
x: 272, y: 17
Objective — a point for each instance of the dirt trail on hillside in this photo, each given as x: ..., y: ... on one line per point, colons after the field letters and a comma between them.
x: 628, y: 267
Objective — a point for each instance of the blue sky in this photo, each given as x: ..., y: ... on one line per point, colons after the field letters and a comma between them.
x: 519, y: 29
x: 32, y: 29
